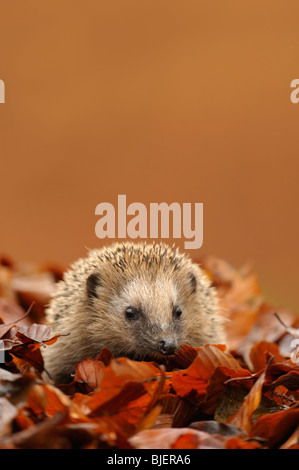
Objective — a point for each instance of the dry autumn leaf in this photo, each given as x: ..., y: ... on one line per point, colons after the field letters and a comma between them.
x: 217, y: 396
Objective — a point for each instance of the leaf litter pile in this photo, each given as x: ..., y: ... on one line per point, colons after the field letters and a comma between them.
x: 242, y: 395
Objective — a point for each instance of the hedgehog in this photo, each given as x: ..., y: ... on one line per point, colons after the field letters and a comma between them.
x: 142, y: 301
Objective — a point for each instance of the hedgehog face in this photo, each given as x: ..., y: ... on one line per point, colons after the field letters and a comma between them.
x: 151, y: 313
x: 144, y: 316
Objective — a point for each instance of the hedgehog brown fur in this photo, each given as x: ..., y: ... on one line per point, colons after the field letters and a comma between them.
x: 138, y: 300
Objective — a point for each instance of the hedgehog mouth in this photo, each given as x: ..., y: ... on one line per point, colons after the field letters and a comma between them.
x: 151, y: 356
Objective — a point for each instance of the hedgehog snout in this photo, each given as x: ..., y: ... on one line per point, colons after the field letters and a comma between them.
x: 167, y: 346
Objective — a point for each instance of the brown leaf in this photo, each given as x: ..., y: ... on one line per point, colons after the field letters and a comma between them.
x: 242, y: 418
x: 44, y: 435
x: 125, y: 397
x: 25, y: 355
x: 174, y: 438
x: 258, y: 354
x: 293, y: 441
x: 237, y: 443
x: 36, y: 332
x: 105, y: 356
x: 7, y: 414
x: 120, y: 403
x: 37, y: 287
x: 15, y: 386
x: 124, y: 369
x: 89, y: 372
x: 12, y: 313
x: 229, y: 403
x: 240, y: 305
x: 24, y: 348
x: 218, y: 390
x: 182, y: 359
x: 47, y: 400
x: 193, y: 382
x: 175, y: 411
x: 213, y: 427
x: 282, y: 373
x: 186, y: 441
x: 266, y: 328
x: 113, y: 400
x: 275, y: 428
x: 220, y: 271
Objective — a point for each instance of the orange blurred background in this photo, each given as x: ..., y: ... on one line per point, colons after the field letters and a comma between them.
x: 162, y: 101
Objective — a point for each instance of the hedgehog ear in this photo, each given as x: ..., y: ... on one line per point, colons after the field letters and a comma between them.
x: 193, y: 282
x: 92, y: 283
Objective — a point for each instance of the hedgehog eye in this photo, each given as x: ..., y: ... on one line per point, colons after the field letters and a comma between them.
x: 177, y: 312
x: 132, y: 313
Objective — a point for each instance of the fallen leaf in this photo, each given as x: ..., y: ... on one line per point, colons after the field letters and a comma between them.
x: 89, y: 372
x: 217, y: 396
x: 193, y: 381
x: 242, y: 419
x: 258, y: 354
x: 276, y: 427
x: 173, y: 438
x: 237, y: 443
x: 43, y: 435
x: 7, y: 414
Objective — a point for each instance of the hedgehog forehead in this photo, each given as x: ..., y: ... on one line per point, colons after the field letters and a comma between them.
x: 150, y: 295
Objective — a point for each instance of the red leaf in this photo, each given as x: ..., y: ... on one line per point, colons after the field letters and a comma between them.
x: 276, y: 427
x: 258, y: 354
x: 90, y: 372
x: 193, y: 382
x: 171, y: 438
x: 242, y: 419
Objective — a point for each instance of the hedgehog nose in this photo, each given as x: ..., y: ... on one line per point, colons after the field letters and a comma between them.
x: 167, y: 346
